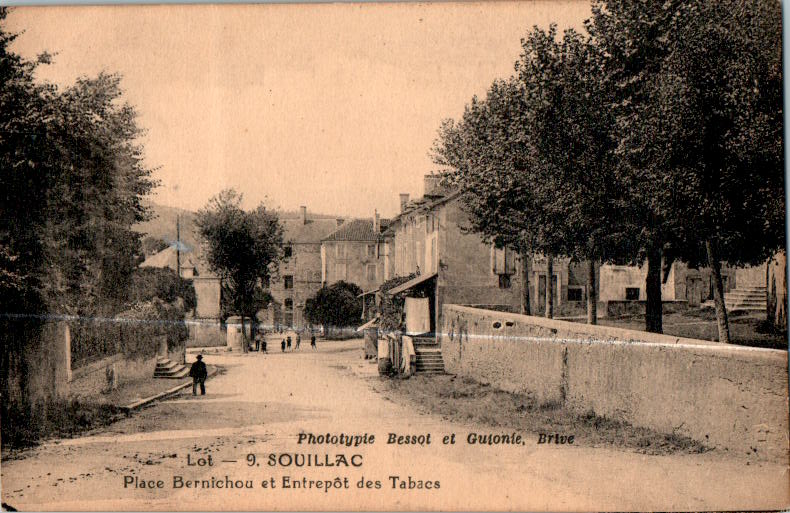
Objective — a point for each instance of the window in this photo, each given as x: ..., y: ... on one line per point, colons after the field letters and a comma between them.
x: 289, y: 303
x: 288, y: 251
x: 371, y: 272
x: 288, y: 282
x: 340, y: 271
x: 371, y: 250
x: 575, y: 294
x: 504, y: 281
x: 340, y: 251
x: 632, y: 294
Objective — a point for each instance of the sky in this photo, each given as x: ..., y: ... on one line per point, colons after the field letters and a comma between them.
x: 331, y: 106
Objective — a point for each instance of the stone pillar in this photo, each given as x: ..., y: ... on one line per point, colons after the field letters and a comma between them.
x: 162, y: 347
x: 235, y: 339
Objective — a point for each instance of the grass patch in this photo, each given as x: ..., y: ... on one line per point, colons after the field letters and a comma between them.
x: 464, y: 400
x: 25, y: 426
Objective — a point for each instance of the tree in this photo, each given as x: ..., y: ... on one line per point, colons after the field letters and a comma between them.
x: 243, y: 248
x: 335, y: 306
x: 533, y: 158
x: 72, y: 176
x: 700, y: 121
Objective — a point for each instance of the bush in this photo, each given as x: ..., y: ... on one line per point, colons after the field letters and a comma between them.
x: 149, y: 283
x: 335, y: 306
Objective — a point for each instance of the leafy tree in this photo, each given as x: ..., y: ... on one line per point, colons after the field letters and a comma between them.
x: 243, y: 248
x: 335, y: 306
x: 534, y: 158
x: 700, y: 119
x: 72, y: 176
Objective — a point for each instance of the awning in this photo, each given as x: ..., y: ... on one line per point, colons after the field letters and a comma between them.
x: 368, y: 292
x: 369, y: 324
x: 411, y: 283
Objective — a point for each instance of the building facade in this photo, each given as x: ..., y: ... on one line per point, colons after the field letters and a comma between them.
x: 355, y: 253
x: 427, y: 239
x: 300, y: 272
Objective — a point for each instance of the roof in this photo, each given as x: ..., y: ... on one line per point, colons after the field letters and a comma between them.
x: 371, y: 323
x: 422, y: 204
x: 313, y: 231
x: 355, y: 230
x: 411, y: 283
x: 167, y: 259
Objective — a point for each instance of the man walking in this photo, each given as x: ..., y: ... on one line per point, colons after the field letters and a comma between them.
x: 298, y: 340
x: 198, y: 373
x: 312, y: 341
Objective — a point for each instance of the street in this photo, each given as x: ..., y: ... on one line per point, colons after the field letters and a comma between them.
x: 260, y: 404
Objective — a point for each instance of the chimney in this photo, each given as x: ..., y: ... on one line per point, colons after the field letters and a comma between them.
x: 339, y: 221
x: 404, y: 198
x: 431, y: 184
x: 376, y: 222
x: 303, y: 214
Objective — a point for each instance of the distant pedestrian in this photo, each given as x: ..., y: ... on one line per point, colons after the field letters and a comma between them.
x: 298, y: 340
x: 198, y: 373
x: 289, y: 342
x: 263, y: 345
x: 312, y: 341
x: 282, y: 345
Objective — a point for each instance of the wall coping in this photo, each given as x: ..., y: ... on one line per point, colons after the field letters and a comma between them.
x: 617, y: 336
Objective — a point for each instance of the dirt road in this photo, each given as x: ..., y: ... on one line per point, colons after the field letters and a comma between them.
x: 260, y: 405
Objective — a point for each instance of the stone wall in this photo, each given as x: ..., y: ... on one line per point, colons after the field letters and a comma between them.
x: 730, y: 397
x: 205, y: 333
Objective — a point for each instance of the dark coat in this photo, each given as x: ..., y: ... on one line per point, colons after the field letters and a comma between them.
x: 198, y: 370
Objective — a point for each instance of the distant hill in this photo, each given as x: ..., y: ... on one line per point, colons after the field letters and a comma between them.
x: 163, y: 225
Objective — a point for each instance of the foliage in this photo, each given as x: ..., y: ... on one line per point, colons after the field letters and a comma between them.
x: 243, y: 248
x: 657, y: 136
x: 72, y: 176
x: 26, y: 425
x: 335, y: 305
x: 150, y: 282
x: 390, y: 308
x: 153, y: 245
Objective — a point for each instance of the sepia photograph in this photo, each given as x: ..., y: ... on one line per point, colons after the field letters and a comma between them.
x: 452, y: 256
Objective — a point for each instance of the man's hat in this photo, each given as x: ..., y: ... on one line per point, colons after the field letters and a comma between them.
x: 200, y: 357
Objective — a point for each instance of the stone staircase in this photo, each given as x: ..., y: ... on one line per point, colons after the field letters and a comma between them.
x: 429, y: 355
x: 165, y: 368
x: 744, y: 299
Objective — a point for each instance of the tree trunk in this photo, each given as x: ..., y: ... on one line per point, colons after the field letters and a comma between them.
x: 526, y: 271
x: 592, y: 294
x: 718, y: 293
x: 769, y: 315
x: 550, y: 286
x: 243, y: 336
x: 653, y: 309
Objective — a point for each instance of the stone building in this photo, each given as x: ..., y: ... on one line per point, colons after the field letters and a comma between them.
x: 427, y: 238
x: 355, y: 253
x: 300, y: 272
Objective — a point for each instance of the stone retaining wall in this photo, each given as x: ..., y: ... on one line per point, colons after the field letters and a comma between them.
x: 730, y: 397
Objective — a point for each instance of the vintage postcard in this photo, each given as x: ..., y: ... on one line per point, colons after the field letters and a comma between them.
x: 485, y: 256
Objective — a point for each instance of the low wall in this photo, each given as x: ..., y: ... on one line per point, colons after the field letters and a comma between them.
x: 92, y: 380
x: 730, y: 397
